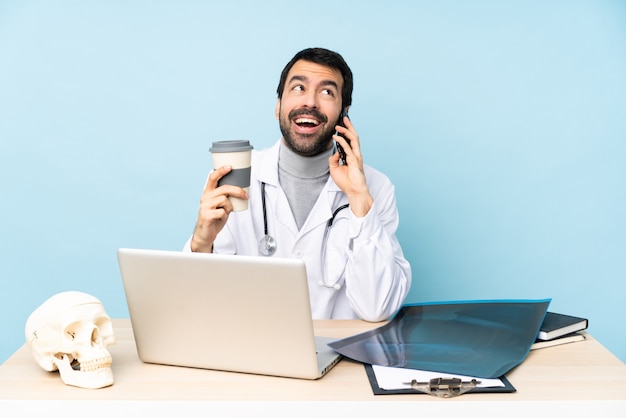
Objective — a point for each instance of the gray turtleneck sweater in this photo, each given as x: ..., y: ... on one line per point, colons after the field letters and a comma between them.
x: 302, y: 179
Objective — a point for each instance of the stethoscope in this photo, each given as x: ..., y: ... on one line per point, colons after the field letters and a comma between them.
x: 267, y: 244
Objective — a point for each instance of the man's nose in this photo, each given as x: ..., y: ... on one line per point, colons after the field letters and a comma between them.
x: 310, y: 99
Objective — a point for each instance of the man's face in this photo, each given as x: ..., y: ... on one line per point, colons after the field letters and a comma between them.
x: 310, y: 107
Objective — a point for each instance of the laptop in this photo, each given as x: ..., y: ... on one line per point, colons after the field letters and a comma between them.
x: 223, y: 312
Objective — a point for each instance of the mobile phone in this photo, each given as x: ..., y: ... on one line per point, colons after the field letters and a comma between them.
x: 342, y: 153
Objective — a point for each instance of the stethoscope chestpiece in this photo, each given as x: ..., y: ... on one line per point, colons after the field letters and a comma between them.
x: 267, y: 245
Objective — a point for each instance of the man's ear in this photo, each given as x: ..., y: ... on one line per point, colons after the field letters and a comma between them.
x: 277, y: 112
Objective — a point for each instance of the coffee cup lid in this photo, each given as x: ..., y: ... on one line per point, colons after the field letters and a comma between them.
x: 231, y: 146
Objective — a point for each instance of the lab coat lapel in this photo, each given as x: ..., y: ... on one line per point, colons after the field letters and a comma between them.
x: 278, y: 205
x: 283, y: 212
x: 322, y: 210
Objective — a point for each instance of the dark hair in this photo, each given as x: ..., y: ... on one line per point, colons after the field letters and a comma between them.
x: 326, y: 58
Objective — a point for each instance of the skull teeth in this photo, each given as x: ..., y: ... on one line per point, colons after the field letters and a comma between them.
x: 95, y: 364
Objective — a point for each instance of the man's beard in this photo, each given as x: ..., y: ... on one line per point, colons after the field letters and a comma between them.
x: 303, y: 144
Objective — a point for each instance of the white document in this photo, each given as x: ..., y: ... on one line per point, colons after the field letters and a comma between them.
x: 393, y: 378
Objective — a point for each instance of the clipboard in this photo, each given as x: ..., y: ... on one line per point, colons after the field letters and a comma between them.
x: 377, y: 390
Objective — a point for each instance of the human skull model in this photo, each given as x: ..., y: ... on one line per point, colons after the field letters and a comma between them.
x: 70, y: 332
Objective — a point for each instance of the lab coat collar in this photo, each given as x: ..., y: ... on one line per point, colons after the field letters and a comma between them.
x: 267, y: 172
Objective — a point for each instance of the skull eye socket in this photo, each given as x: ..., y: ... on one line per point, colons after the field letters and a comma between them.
x: 79, y: 331
x: 96, y: 337
x: 104, y: 324
x: 71, y: 332
x: 104, y: 331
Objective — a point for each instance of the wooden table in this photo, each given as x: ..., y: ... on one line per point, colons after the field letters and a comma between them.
x: 582, y: 377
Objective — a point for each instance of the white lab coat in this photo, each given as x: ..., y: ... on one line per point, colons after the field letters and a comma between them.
x: 363, y: 254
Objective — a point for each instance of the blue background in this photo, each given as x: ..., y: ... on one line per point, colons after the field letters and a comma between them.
x: 502, y: 125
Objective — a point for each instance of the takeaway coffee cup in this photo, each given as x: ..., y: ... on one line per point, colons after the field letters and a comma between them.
x: 237, y: 154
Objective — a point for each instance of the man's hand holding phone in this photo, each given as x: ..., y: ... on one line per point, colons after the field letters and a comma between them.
x: 348, y: 174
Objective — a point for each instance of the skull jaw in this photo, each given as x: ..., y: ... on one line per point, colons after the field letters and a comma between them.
x: 96, y: 379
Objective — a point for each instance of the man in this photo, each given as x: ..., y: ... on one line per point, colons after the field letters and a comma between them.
x: 354, y: 262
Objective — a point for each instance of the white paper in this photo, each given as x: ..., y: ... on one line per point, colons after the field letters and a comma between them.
x: 392, y: 378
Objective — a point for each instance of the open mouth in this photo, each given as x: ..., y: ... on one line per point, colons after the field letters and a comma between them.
x: 306, y: 124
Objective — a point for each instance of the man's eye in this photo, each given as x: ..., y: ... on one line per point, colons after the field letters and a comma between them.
x: 298, y: 88
x: 328, y: 92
